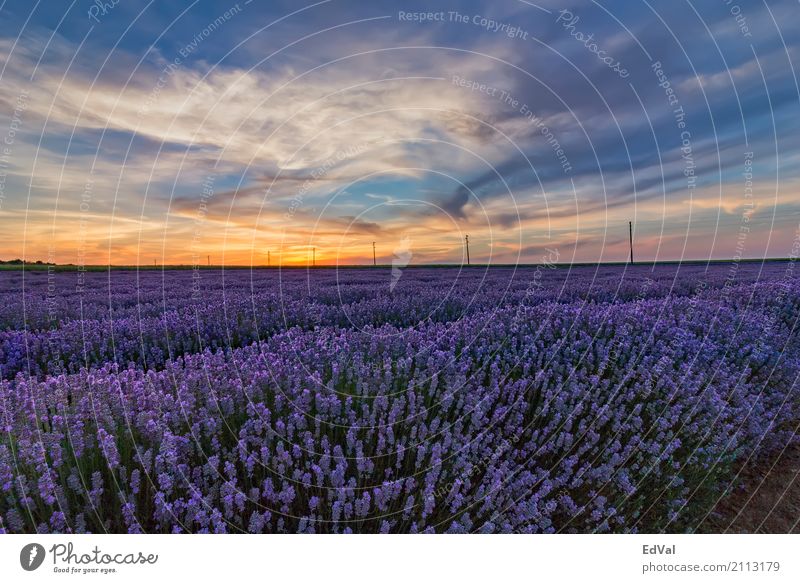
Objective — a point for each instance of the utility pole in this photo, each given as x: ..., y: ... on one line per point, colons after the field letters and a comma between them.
x: 630, y: 235
x: 314, y: 257
x: 269, y: 259
x: 209, y: 260
x: 466, y: 240
x: 154, y: 262
x: 374, y: 258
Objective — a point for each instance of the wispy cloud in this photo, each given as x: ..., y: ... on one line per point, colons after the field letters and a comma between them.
x: 357, y: 126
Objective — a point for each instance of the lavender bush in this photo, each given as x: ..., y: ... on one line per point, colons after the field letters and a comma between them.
x: 501, y: 400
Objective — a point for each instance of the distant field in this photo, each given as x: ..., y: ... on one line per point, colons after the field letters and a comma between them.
x: 96, y: 268
x: 590, y: 399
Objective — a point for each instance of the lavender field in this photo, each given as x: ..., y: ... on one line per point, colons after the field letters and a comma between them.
x: 533, y: 400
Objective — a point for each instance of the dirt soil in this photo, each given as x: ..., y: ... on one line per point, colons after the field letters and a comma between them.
x: 768, y: 502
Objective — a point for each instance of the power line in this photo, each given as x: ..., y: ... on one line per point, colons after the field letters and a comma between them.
x: 630, y: 235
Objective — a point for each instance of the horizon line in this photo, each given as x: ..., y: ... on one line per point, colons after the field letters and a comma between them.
x: 34, y: 266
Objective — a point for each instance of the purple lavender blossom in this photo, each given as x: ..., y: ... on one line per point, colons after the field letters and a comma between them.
x: 600, y: 400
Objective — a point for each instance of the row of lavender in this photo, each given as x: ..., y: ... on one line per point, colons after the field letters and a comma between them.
x: 148, y: 319
x: 524, y: 416
x: 40, y: 301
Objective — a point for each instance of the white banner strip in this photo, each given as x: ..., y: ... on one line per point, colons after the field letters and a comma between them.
x: 405, y: 558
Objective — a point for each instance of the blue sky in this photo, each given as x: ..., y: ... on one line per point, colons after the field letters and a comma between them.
x: 143, y: 131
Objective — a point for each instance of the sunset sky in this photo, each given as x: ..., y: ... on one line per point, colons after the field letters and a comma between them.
x: 142, y: 131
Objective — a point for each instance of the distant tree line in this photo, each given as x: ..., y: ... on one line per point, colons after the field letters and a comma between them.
x: 20, y: 262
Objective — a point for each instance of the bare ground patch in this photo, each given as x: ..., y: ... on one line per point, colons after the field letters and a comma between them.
x: 768, y: 500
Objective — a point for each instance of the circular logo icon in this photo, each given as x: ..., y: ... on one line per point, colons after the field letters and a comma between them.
x: 31, y: 556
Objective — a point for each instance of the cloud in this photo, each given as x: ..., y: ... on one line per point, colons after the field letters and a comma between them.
x: 355, y: 126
